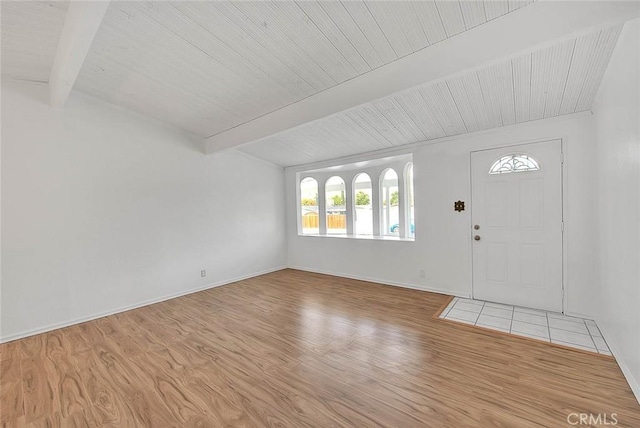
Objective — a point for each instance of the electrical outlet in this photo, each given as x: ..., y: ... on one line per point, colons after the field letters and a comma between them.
x: 203, y: 273
x: 422, y: 274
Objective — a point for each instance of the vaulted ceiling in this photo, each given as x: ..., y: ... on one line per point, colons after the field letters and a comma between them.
x: 557, y: 80
x: 300, y: 81
x: 209, y: 66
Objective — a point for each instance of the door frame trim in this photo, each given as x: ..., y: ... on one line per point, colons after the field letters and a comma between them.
x: 563, y: 201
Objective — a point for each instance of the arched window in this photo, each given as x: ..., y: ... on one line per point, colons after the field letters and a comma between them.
x: 363, y: 210
x: 309, y: 206
x: 367, y: 199
x: 390, y: 213
x: 336, y: 206
x: 514, y: 163
x: 409, y: 193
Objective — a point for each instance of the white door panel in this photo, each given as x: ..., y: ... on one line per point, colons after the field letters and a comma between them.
x: 518, y: 257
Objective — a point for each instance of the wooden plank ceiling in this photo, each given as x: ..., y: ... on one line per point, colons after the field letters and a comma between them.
x: 210, y: 66
x: 30, y: 34
x: 557, y: 80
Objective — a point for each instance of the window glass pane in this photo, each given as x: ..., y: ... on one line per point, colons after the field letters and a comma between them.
x: 363, y: 209
x: 412, y: 230
x: 389, y: 200
x: 309, y: 206
x: 336, y: 206
x: 514, y: 163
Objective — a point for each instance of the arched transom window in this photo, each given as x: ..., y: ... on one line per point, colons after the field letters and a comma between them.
x: 514, y: 163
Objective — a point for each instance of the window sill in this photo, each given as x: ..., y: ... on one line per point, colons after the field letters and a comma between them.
x: 361, y: 237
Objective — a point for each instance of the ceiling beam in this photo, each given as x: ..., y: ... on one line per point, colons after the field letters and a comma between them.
x: 80, y: 27
x: 526, y: 29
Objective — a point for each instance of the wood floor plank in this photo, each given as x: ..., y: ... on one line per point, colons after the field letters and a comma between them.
x: 11, y: 393
x: 40, y: 397
x: 297, y: 349
x: 11, y: 402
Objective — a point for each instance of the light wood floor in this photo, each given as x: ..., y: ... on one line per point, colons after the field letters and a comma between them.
x: 297, y: 349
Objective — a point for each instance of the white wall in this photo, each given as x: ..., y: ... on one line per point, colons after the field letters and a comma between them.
x: 617, y: 125
x: 443, y: 237
x: 103, y: 209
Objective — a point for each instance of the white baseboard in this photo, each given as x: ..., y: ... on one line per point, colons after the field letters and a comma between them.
x: 56, y: 326
x: 381, y: 281
x: 634, y: 383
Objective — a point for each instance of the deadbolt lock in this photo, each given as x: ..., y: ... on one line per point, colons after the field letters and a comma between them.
x: 476, y: 227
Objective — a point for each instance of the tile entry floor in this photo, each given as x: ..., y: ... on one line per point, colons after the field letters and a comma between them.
x: 547, y: 326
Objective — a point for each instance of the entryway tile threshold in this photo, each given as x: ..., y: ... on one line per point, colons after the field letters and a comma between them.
x: 535, y: 324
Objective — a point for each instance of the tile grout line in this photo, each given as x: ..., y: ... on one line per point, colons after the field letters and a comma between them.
x: 548, y: 325
x: 471, y: 312
x: 591, y: 336
x: 570, y: 331
x: 478, y: 317
x: 602, y: 337
x: 459, y: 319
x: 532, y: 333
x: 595, y: 349
x: 513, y: 311
x: 565, y: 318
x: 448, y: 308
x: 463, y: 310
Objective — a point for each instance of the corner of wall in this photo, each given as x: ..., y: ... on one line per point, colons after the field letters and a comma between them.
x: 616, y: 111
x: 630, y: 376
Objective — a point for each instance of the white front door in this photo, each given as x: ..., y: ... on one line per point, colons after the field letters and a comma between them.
x: 516, y: 211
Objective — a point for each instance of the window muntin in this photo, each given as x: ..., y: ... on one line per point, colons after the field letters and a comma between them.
x: 409, y: 193
x: 389, y: 197
x: 309, y: 206
x: 518, y: 162
x: 363, y: 209
x: 336, y: 206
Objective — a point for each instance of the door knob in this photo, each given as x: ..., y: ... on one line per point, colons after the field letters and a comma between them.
x: 477, y: 237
